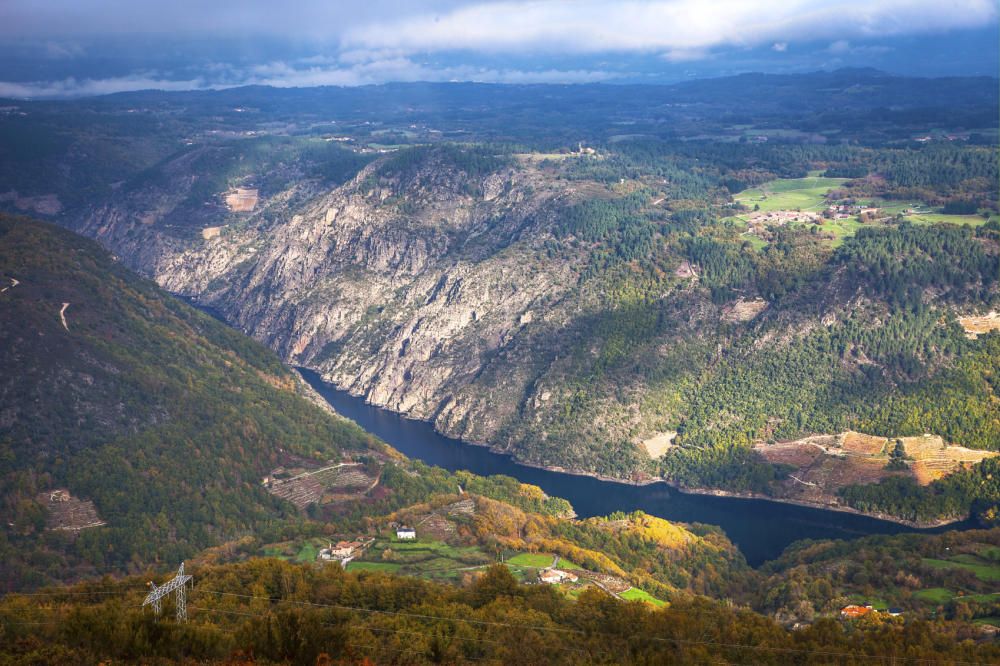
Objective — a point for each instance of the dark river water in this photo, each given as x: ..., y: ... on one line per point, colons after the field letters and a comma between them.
x: 762, y: 529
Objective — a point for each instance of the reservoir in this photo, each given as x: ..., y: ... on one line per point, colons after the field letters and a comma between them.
x: 762, y: 529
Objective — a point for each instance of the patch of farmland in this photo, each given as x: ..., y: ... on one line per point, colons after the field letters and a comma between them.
x: 323, y: 485
x: 790, y: 194
x: 862, y: 444
x: 69, y: 513
x: 437, y: 527
x: 465, y: 507
x: 659, y: 444
x: 743, y: 310
x: 975, y: 325
x: 822, y: 464
x: 241, y: 200
x: 933, y: 458
x: 606, y: 582
x: 635, y: 594
x: 536, y: 560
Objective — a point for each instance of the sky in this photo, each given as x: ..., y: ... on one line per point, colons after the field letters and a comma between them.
x: 57, y: 48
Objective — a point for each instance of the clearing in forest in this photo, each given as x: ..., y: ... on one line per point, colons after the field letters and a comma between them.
x: 659, y: 444
x: 825, y: 463
x: 976, y: 325
x: 69, y: 513
x: 790, y: 194
x: 308, y: 485
x: 241, y: 200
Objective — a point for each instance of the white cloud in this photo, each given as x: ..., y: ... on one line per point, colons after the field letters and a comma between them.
x: 283, y: 74
x: 780, y: 47
x: 670, y: 26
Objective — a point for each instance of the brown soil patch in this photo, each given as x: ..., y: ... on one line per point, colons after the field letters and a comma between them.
x: 978, y: 325
x: 659, y: 444
x: 241, y: 200
x: 69, y: 513
x: 825, y: 463
x: 743, y: 310
x: 685, y: 270
x: 208, y: 233
x: 860, y: 443
x: 935, y: 459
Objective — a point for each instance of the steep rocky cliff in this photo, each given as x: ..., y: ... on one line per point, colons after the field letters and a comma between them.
x: 613, y: 325
x: 422, y: 287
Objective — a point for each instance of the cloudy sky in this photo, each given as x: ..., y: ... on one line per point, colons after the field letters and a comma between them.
x: 85, y: 47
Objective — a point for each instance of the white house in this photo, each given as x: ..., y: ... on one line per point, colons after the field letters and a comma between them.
x: 406, y: 533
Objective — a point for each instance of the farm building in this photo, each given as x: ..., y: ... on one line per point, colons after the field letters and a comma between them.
x: 342, y: 551
x: 554, y: 576
x: 854, y: 611
x: 406, y: 533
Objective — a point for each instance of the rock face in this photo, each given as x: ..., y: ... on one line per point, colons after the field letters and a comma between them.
x: 410, y: 289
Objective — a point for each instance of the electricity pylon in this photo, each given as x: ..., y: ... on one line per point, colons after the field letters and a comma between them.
x: 177, y: 585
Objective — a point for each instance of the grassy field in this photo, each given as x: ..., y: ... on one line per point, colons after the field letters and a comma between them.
x: 876, y: 602
x: 982, y: 598
x: 983, y: 569
x: 935, y: 595
x: 806, y: 194
x: 308, y: 552
x: 294, y: 550
x: 424, y: 558
x: 809, y: 194
x: 567, y: 564
x: 841, y: 229
x: 537, y: 560
x: 635, y: 594
x: 391, y: 567
x: 921, y: 214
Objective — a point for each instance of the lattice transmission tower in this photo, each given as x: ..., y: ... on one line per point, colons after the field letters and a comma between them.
x: 177, y: 585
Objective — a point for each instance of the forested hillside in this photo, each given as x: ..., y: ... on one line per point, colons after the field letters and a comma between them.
x: 267, y: 611
x: 635, y: 290
x: 162, y: 417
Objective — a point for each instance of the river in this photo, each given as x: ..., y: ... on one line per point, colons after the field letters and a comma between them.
x: 761, y: 529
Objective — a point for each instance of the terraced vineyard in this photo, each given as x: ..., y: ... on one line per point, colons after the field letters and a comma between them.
x: 322, y: 485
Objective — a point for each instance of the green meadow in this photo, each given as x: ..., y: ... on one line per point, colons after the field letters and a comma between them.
x: 808, y: 194
x: 635, y: 594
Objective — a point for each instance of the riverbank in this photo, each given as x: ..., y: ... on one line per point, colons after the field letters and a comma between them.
x: 469, y: 448
x: 718, y: 492
x: 918, y: 525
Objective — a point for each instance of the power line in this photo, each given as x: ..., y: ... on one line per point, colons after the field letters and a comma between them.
x: 395, y: 631
x: 561, y: 630
x: 14, y: 595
